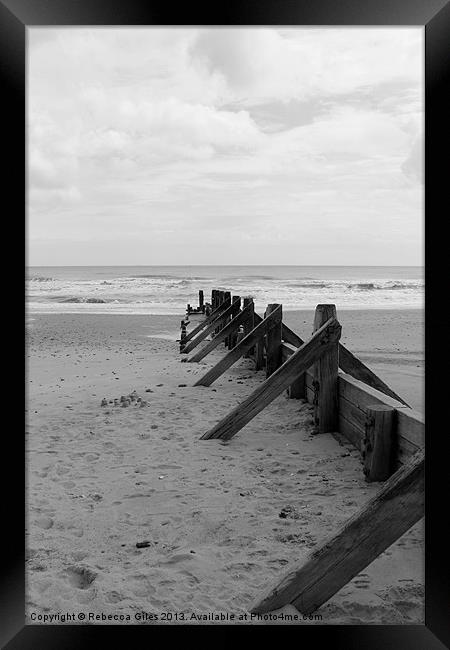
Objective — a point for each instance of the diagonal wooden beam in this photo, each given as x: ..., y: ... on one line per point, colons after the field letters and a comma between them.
x: 349, y: 364
x: 357, y: 369
x: 210, y: 327
x: 318, y: 345
x: 213, y: 315
x: 240, y: 349
x: 223, y: 334
x: 386, y: 517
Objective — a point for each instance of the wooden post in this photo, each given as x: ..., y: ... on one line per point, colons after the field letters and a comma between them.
x: 230, y: 328
x: 201, y: 305
x: 250, y: 323
x: 183, y: 336
x: 220, y: 301
x: 226, y: 296
x: 326, y: 407
x: 259, y: 353
x: 236, y: 301
x: 211, y: 327
x: 273, y: 344
x: 318, y: 346
x: 377, y: 446
x: 259, y: 350
x: 397, y: 506
x: 209, y: 319
x: 297, y: 389
x: 240, y: 349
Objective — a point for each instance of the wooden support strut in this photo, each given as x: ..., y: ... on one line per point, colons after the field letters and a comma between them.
x: 223, y: 316
x: 326, y: 408
x: 387, y: 516
x: 319, y: 344
x: 273, y: 343
x: 223, y: 297
x: 250, y: 324
x: 356, y: 368
x: 214, y: 314
x: 240, y: 349
x: 236, y: 301
x: 377, y: 446
x: 232, y: 326
x: 347, y: 363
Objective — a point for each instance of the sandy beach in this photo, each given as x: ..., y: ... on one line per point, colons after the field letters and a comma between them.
x: 101, y: 479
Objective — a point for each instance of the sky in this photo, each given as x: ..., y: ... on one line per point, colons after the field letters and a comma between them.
x: 225, y: 146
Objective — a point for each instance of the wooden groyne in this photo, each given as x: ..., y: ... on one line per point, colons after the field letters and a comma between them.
x: 349, y: 399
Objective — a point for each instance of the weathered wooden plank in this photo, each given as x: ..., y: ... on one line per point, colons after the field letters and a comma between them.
x: 309, y: 353
x: 220, y: 301
x: 297, y: 389
x: 350, y: 431
x: 378, y: 443
x: 291, y: 337
x: 411, y: 426
x: 250, y: 324
x: 209, y: 329
x: 355, y: 367
x: 350, y: 364
x: 259, y: 346
x: 214, y: 314
x: 353, y: 414
x: 273, y: 343
x: 389, y: 514
x: 404, y: 449
x: 408, y: 432
x: 236, y: 302
x: 259, y: 353
x: 361, y: 394
x: 237, y: 352
x: 232, y: 326
x: 287, y: 351
x: 326, y: 373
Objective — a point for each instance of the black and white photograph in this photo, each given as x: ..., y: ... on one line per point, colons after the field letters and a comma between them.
x: 225, y: 325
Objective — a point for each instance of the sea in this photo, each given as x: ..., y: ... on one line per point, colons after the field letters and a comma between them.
x: 168, y: 289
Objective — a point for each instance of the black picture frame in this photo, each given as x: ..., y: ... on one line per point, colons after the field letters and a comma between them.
x: 434, y: 15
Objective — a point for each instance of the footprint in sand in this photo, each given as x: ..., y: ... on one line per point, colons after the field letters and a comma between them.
x: 44, y: 522
x: 113, y: 597
x: 80, y: 577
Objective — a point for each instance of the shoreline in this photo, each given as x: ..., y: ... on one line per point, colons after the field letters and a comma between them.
x: 33, y: 311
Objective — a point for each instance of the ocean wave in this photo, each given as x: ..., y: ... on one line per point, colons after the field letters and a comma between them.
x: 314, y: 284
x: 247, y: 278
x: 39, y: 278
x: 80, y: 300
x: 382, y: 286
x: 361, y: 286
x: 151, y: 276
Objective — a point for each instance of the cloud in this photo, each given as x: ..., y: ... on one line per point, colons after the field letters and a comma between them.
x: 413, y: 166
x: 270, y: 134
